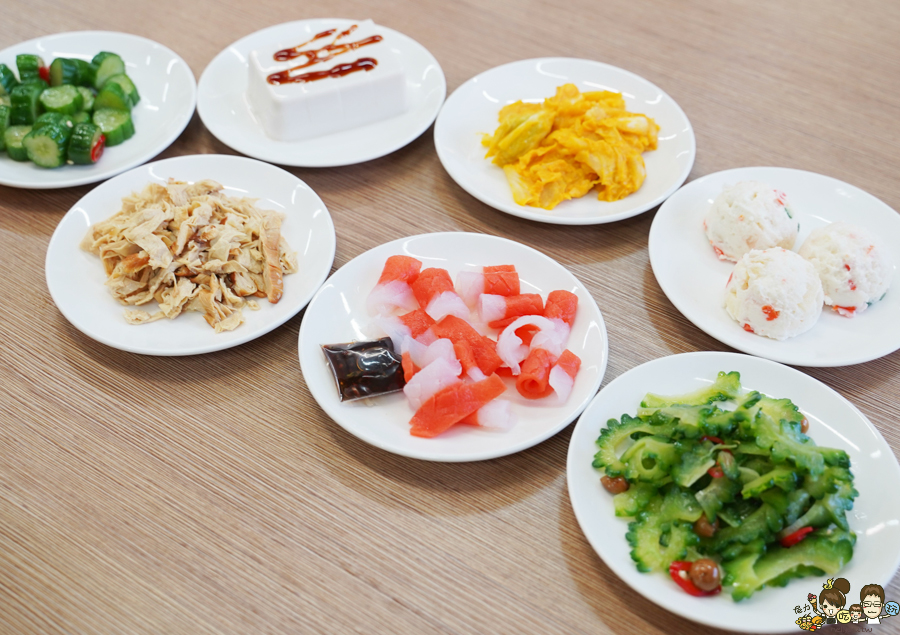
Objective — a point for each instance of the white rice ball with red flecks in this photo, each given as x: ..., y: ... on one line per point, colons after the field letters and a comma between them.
x: 853, y: 264
x: 749, y: 215
x: 774, y: 293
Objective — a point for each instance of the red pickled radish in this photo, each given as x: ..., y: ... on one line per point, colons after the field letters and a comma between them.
x: 403, y: 268
x: 533, y: 381
x: 499, y: 280
x: 500, y: 311
x: 562, y: 375
x: 453, y: 404
x: 417, y: 322
x: 409, y: 367
x: 483, y: 348
x: 561, y: 305
x: 434, y: 292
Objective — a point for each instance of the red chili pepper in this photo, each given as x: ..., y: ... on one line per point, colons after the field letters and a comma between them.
x: 97, y: 150
x: 44, y: 72
x: 771, y: 313
x: 715, y: 472
x: 685, y: 583
x: 848, y: 309
x: 711, y: 438
x: 792, y: 539
x: 748, y: 328
x: 719, y: 252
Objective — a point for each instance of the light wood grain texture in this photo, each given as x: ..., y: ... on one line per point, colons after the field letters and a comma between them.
x: 151, y: 495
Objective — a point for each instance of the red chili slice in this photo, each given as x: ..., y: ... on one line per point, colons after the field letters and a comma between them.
x: 97, y: 150
x: 770, y: 312
x: 44, y: 72
x: 685, y: 583
x: 748, y: 328
x: 713, y: 439
x: 715, y: 472
x: 848, y: 309
x: 792, y: 539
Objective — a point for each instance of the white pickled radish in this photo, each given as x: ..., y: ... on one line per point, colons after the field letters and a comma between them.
x: 491, y: 307
x: 553, y: 341
x: 496, y: 415
x: 436, y: 376
x: 509, y: 345
x: 447, y: 303
x: 561, y: 383
x: 423, y: 355
x: 390, y: 296
x: 395, y: 329
x: 470, y: 285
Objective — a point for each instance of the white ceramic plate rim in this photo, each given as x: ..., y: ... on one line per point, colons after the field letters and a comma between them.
x: 261, y: 148
x: 332, y: 406
x: 721, y: 329
x: 255, y: 327
x: 610, y: 544
x: 536, y: 213
x: 106, y: 170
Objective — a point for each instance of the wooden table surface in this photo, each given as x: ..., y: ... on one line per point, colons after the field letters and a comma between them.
x: 146, y: 495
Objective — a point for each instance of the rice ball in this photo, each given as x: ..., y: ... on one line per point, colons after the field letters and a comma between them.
x: 853, y: 264
x: 774, y: 293
x: 749, y: 215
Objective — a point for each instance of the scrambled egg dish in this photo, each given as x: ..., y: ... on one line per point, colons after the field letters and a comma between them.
x: 562, y: 148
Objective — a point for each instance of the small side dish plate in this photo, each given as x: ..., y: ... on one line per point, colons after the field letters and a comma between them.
x: 338, y: 314
x: 693, y: 277
x: 834, y: 422
x: 472, y: 110
x: 224, y: 109
x: 168, y: 97
x: 76, y: 278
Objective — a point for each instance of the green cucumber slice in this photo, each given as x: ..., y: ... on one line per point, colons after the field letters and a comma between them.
x: 127, y: 85
x: 87, y: 96
x: 4, y: 124
x: 65, y: 99
x: 81, y: 117
x: 53, y: 118
x: 84, y: 138
x: 29, y: 66
x: 8, y: 79
x: 47, y: 146
x: 25, y: 103
x: 12, y: 139
x: 112, y: 96
x: 108, y: 64
x: 115, y: 124
x: 64, y: 71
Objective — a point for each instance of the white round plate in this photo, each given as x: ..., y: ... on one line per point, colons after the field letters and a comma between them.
x: 168, y: 96
x: 694, y: 279
x: 473, y: 107
x: 834, y: 422
x: 224, y: 110
x: 338, y: 314
x: 76, y: 277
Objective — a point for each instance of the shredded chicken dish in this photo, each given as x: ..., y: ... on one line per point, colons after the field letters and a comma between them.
x: 191, y: 248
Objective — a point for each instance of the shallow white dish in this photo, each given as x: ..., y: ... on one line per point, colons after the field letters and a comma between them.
x: 337, y: 314
x: 834, y: 422
x: 168, y: 95
x: 472, y: 110
x: 76, y: 278
x: 223, y: 106
x: 694, y: 279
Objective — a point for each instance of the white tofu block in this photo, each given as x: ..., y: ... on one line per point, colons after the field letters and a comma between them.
x: 303, y: 110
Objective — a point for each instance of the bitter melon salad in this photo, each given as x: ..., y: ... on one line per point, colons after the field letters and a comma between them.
x: 726, y: 490
x: 65, y: 113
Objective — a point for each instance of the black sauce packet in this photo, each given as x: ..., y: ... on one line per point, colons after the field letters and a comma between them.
x: 365, y: 369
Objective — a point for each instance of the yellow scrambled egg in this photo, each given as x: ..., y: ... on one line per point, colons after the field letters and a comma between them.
x: 562, y: 148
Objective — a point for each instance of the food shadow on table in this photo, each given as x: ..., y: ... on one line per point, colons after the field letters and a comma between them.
x: 450, y: 488
x: 620, y: 608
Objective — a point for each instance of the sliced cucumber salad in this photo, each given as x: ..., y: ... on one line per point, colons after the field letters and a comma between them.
x: 726, y: 489
x: 66, y: 112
